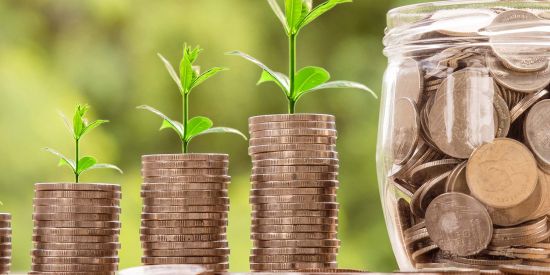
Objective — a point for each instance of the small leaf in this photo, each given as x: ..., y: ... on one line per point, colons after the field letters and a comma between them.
x: 308, y: 78
x: 279, y: 13
x: 318, y: 11
x: 66, y: 122
x: 223, y: 130
x: 171, y: 71
x: 92, y: 126
x: 85, y: 163
x: 186, y: 68
x: 206, y: 75
x: 281, y: 80
x: 266, y: 77
x: 104, y: 166
x: 342, y: 84
x: 64, y: 160
x: 197, y: 125
x: 167, y: 122
x: 293, y: 12
x: 78, y: 120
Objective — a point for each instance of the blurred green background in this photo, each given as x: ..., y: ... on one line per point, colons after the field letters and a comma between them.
x: 56, y: 53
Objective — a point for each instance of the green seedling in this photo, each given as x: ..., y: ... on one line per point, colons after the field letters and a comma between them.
x: 297, y: 15
x: 188, y: 79
x: 79, y: 128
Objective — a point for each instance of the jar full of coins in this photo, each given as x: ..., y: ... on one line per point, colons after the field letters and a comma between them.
x: 464, y: 136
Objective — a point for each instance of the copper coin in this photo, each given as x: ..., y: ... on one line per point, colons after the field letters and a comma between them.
x: 184, y: 223
x: 295, y: 206
x: 294, y: 221
x: 71, y: 273
x: 74, y: 216
x: 525, y: 103
x: 296, y: 243
x: 74, y: 253
x: 185, y: 208
x: 182, y: 172
x: 183, y: 245
x: 331, y: 270
x: 256, y: 127
x: 292, y: 258
x: 83, y: 209
x: 295, y: 251
x: 74, y: 267
x: 524, y: 269
x: 185, y: 201
x: 292, y: 140
x: 526, y: 82
x: 187, y: 252
x: 185, y: 157
x: 184, y: 164
x: 406, y: 125
x: 77, y: 224
x: 5, y: 217
x: 294, y: 176
x: 77, y: 187
x: 75, y: 231
x: 183, y: 238
x: 184, y: 194
x: 183, y: 186
x: 290, y: 266
x: 295, y: 214
x: 456, y: 182
x: 75, y: 239
x: 252, y: 150
x: 296, y: 161
x: 502, y: 174
x: 184, y: 260
x: 77, y: 246
x: 426, y: 171
x: 293, y: 236
x: 295, y: 132
x: 291, y: 117
x: 188, y: 179
x: 294, y: 169
x: 292, y: 199
x: 78, y: 194
x: 183, y: 216
x: 295, y: 228
x: 294, y: 154
x: 537, y: 129
x: 445, y: 218
x: 257, y: 185
x: 182, y: 230
x: 6, y: 231
x: 71, y: 201
x: 293, y: 191
x: 75, y: 260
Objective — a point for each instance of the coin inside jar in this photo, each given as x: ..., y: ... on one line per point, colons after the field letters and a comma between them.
x: 406, y: 125
x: 537, y: 131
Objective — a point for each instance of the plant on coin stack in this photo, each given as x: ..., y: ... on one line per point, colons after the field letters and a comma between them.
x: 79, y: 128
x: 298, y: 14
x: 188, y: 79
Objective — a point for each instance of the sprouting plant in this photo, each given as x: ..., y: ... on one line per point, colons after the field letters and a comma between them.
x: 189, y: 78
x: 298, y: 14
x: 79, y: 128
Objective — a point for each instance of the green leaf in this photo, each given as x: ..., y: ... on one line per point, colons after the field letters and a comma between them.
x: 78, y: 120
x: 293, y: 12
x: 266, y: 77
x: 85, y: 163
x: 318, y: 11
x: 92, y: 126
x: 167, y: 122
x: 66, y: 122
x: 308, y: 78
x: 279, y: 78
x: 197, y: 125
x: 63, y: 159
x: 186, y: 69
x: 206, y: 75
x: 171, y: 71
x: 279, y: 13
x: 223, y: 130
x: 340, y: 85
x: 104, y: 166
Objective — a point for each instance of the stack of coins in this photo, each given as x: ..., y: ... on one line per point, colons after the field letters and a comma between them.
x: 76, y: 228
x: 294, y: 184
x: 470, y: 142
x: 5, y: 243
x: 185, y: 206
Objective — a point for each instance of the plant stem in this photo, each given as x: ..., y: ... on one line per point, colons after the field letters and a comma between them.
x: 292, y: 73
x: 185, y: 119
x: 76, y: 161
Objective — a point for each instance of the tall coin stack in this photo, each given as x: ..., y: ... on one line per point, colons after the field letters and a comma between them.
x: 294, y: 184
x: 185, y: 206
x: 5, y: 243
x: 76, y: 228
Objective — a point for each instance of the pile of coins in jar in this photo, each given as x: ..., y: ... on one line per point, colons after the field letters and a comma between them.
x: 185, y: 206
x: 471, y: 143
x: 5, y: 243
x: 76, y: 228
x: 293, y: 196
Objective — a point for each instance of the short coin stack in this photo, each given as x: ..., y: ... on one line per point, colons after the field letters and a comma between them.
x: 185, y: 206
x: 5, y: 243
x: 294, y: 184
x: 76, y: 228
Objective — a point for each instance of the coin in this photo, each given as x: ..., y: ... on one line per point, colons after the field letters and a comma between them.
x: 291, y: 117
x: 293, y: 191
x: 292, y: 199
x: 295, y: 214
x: 294, y: 154
x: 257, y: 185
x: 183, y: 186
x: 77, y: 209
x: 295, y: 206
x: 185, y: 157
x: 296, y: 243
x: 182, y: 230
x: 78, y: 194
x: 75, y: 260
x: 461, y: 22
x: 71, y: 273
x: 185, y: 164
x: 76, y: 246
x: 74, y: 253
x: 331, y: 270
x: 187, y: 252
x: 294, y: 176
x: 444, y: 222
x: 252, y: 150
x: 185, y: 201
x: 294, y: 132
x: 290, y: 266
x: 502, y: 174
x: 294, y: 251
x: 184, y: 194
x: 76, y: 224
x: 456, y: 182
x: 525, y: 103
x: 171, y: 245
x: 296, y: 161
x: 183, y: 238
x: 537, y: 129
x: 523, y: 269
x: 294, y: 228
x: 75, y: 231
x: 183, y: 172
x: 71, y: 201
x: 428, y: 170
x: 183, y: 216
x: 184, y: 223
x: 74, y: 216
x: 184, y: 260
x: 5, y: 217
x: 74, y: 267
x: 188, y: 179
x: 292, y: 140
x: 526, y: 82
x: 77, y: 187
x: 293, y: 236
x: 292, y: 258
x: 256, y: 127
x: 405, y: 130
x: 294, y: 169
x: 75, y: 239
x: 185, y: 208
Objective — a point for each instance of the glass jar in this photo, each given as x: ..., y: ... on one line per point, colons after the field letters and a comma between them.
x: 464, y: 136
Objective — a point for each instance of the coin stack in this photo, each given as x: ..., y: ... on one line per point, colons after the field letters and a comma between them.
x: 5, y: 243
x: 294, y: 184
x: 470, y: 142
x: 76, y: 228
x: 185, y: 206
